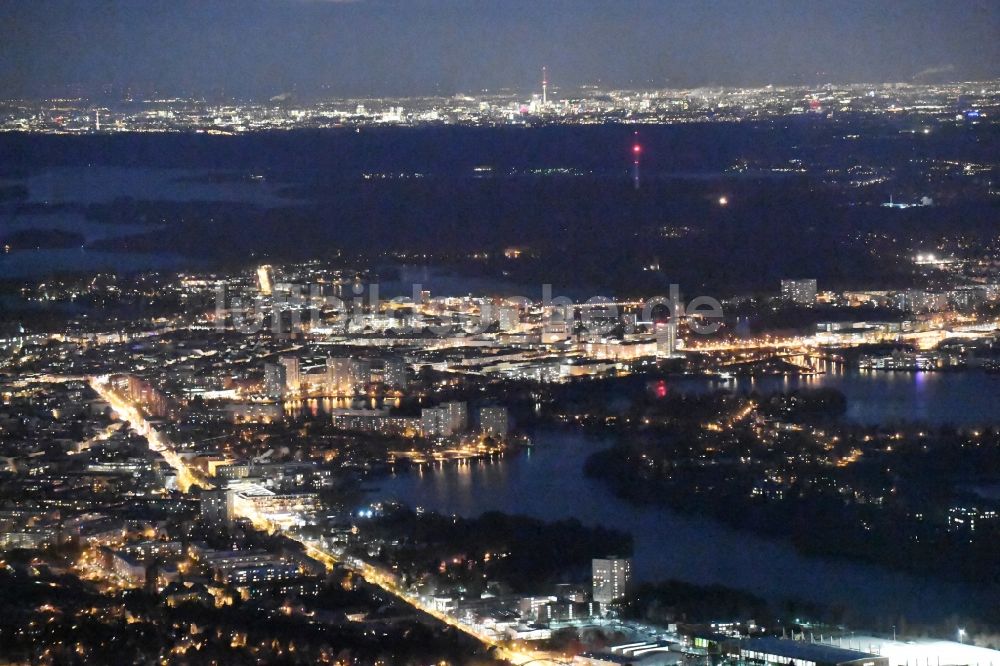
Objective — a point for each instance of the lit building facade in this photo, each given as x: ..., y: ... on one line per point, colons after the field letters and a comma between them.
x: 799, y: 292
x: 612, y: 579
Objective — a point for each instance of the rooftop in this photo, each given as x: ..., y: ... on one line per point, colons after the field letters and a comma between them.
x: 815, y: 652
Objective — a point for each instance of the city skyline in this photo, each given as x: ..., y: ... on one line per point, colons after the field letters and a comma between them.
x: 310, y: 48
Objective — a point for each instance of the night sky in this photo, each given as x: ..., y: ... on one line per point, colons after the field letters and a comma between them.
x: 259, y: 48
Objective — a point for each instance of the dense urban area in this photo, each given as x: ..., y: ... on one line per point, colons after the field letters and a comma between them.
x: 200, y: 408
x: 124, y: 109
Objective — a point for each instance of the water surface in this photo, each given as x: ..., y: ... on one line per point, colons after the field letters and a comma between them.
x: 547, y: 482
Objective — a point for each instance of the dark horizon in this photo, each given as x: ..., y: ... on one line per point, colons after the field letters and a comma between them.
x: 358, y: 48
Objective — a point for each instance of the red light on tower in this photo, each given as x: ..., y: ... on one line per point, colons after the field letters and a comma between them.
x: 636, y: 151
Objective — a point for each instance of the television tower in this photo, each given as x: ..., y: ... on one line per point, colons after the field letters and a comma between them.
x: 545, y: 86
x: 636, y: 151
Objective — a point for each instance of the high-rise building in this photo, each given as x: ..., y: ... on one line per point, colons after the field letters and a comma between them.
x: 447, y: 419
x: 509, y: 318
x: 458, y: 416
x: 218, y: 507
x: 965, y: 299
x: 612, y: 579
x: 394, y: 374
x: 274, y: 380
x: 799, y: 292
x: 494, y: 422
x: 666, y: 339
x: 293, y: 378
x: 346, y: 376
x: 488, y: 314
x: 918, y: 300
x: 434, y: 422
x: 361, y: 374
x: 338, y: 372
x: 265, y: 279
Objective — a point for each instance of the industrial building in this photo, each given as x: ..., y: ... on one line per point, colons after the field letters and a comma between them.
x: 779, y: 651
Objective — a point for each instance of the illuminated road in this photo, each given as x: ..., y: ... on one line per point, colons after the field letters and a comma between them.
x: 186, y: 478
x: 384, y: 581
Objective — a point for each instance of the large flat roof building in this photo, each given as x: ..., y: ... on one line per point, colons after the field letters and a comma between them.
x: 920, y: 650
x: 801, y: 653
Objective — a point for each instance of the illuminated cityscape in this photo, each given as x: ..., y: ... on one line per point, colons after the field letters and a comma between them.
x: 931, y: 104
x: 651, y: 370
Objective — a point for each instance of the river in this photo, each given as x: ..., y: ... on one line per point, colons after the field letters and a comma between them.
x: 962, y: 398
x: 547, y: 482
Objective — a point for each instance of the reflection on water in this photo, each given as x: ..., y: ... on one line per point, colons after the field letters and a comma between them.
x: 315, y: 407
x: 959, y: 398
x: 547, y: 482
